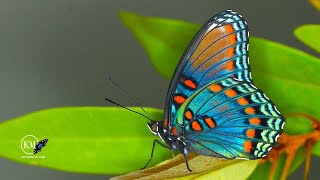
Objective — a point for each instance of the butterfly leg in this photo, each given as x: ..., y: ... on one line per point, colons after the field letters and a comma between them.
x: 185, y: 158
x: 183, y: 150
x: 151, y: 156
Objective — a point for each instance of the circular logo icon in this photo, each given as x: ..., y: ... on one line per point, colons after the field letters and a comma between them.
x: 28, y: 143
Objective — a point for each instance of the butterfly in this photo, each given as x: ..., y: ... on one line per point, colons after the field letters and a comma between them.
x: 40, y: 145
x: 212, y: 106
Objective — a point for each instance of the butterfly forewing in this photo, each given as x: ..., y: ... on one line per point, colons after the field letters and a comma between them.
x: 219, y: 50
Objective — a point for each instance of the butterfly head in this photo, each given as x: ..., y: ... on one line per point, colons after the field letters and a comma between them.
x: 154, y: 127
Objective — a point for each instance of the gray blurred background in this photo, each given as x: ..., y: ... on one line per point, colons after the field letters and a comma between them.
x: 57, y: 53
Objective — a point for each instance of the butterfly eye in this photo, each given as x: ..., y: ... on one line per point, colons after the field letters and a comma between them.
x: 154, y: 127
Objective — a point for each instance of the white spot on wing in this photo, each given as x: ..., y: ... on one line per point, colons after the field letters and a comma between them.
x: 265, y: 96
x: 221, y: 19
x: 277, y: 110
x: 253, y: 86
x: 213, y: 25
x: 236, y: 79
x: 282, y: 125
x: 277, y: 137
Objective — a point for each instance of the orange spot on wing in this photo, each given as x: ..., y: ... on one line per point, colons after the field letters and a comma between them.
x: 165, y: 123
x: 231, y: 51
x: 188, y: 115
x: 250, y: 133
x: 229, y: 28
x: 174, y: 131
x: 254, y: 121
x: 196, y: 126
x: 247, y: 146
x: 233, y: 38
x: 230, y: 65
x: 242, y: 101
x: 190, y: 84
x: 215, y: 88
x: 179, y: 99
x: 209, y: 121
x: 249, y: 110
x: 230, y: 92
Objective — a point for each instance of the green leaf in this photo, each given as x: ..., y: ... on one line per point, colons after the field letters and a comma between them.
x: 84, y: 139
x: 305, y: 126
x: 310, y: 35
x: 203, y: 167
x: 163, y: 49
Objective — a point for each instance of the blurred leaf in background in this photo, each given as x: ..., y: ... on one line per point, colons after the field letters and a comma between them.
x: 309, y: 34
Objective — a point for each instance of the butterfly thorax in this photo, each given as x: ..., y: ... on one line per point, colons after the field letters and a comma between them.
x: 177, y: 142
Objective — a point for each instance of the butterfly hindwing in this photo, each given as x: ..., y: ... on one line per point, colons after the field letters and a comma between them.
x: 231, y: 119
x: 219, y: 50
x: 40, y: 145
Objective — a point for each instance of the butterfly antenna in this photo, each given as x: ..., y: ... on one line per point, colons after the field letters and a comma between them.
x: 128, y: 108
x: 125, y: 93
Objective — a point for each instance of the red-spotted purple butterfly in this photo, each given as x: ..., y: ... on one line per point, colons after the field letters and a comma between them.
x: 212, y: 107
